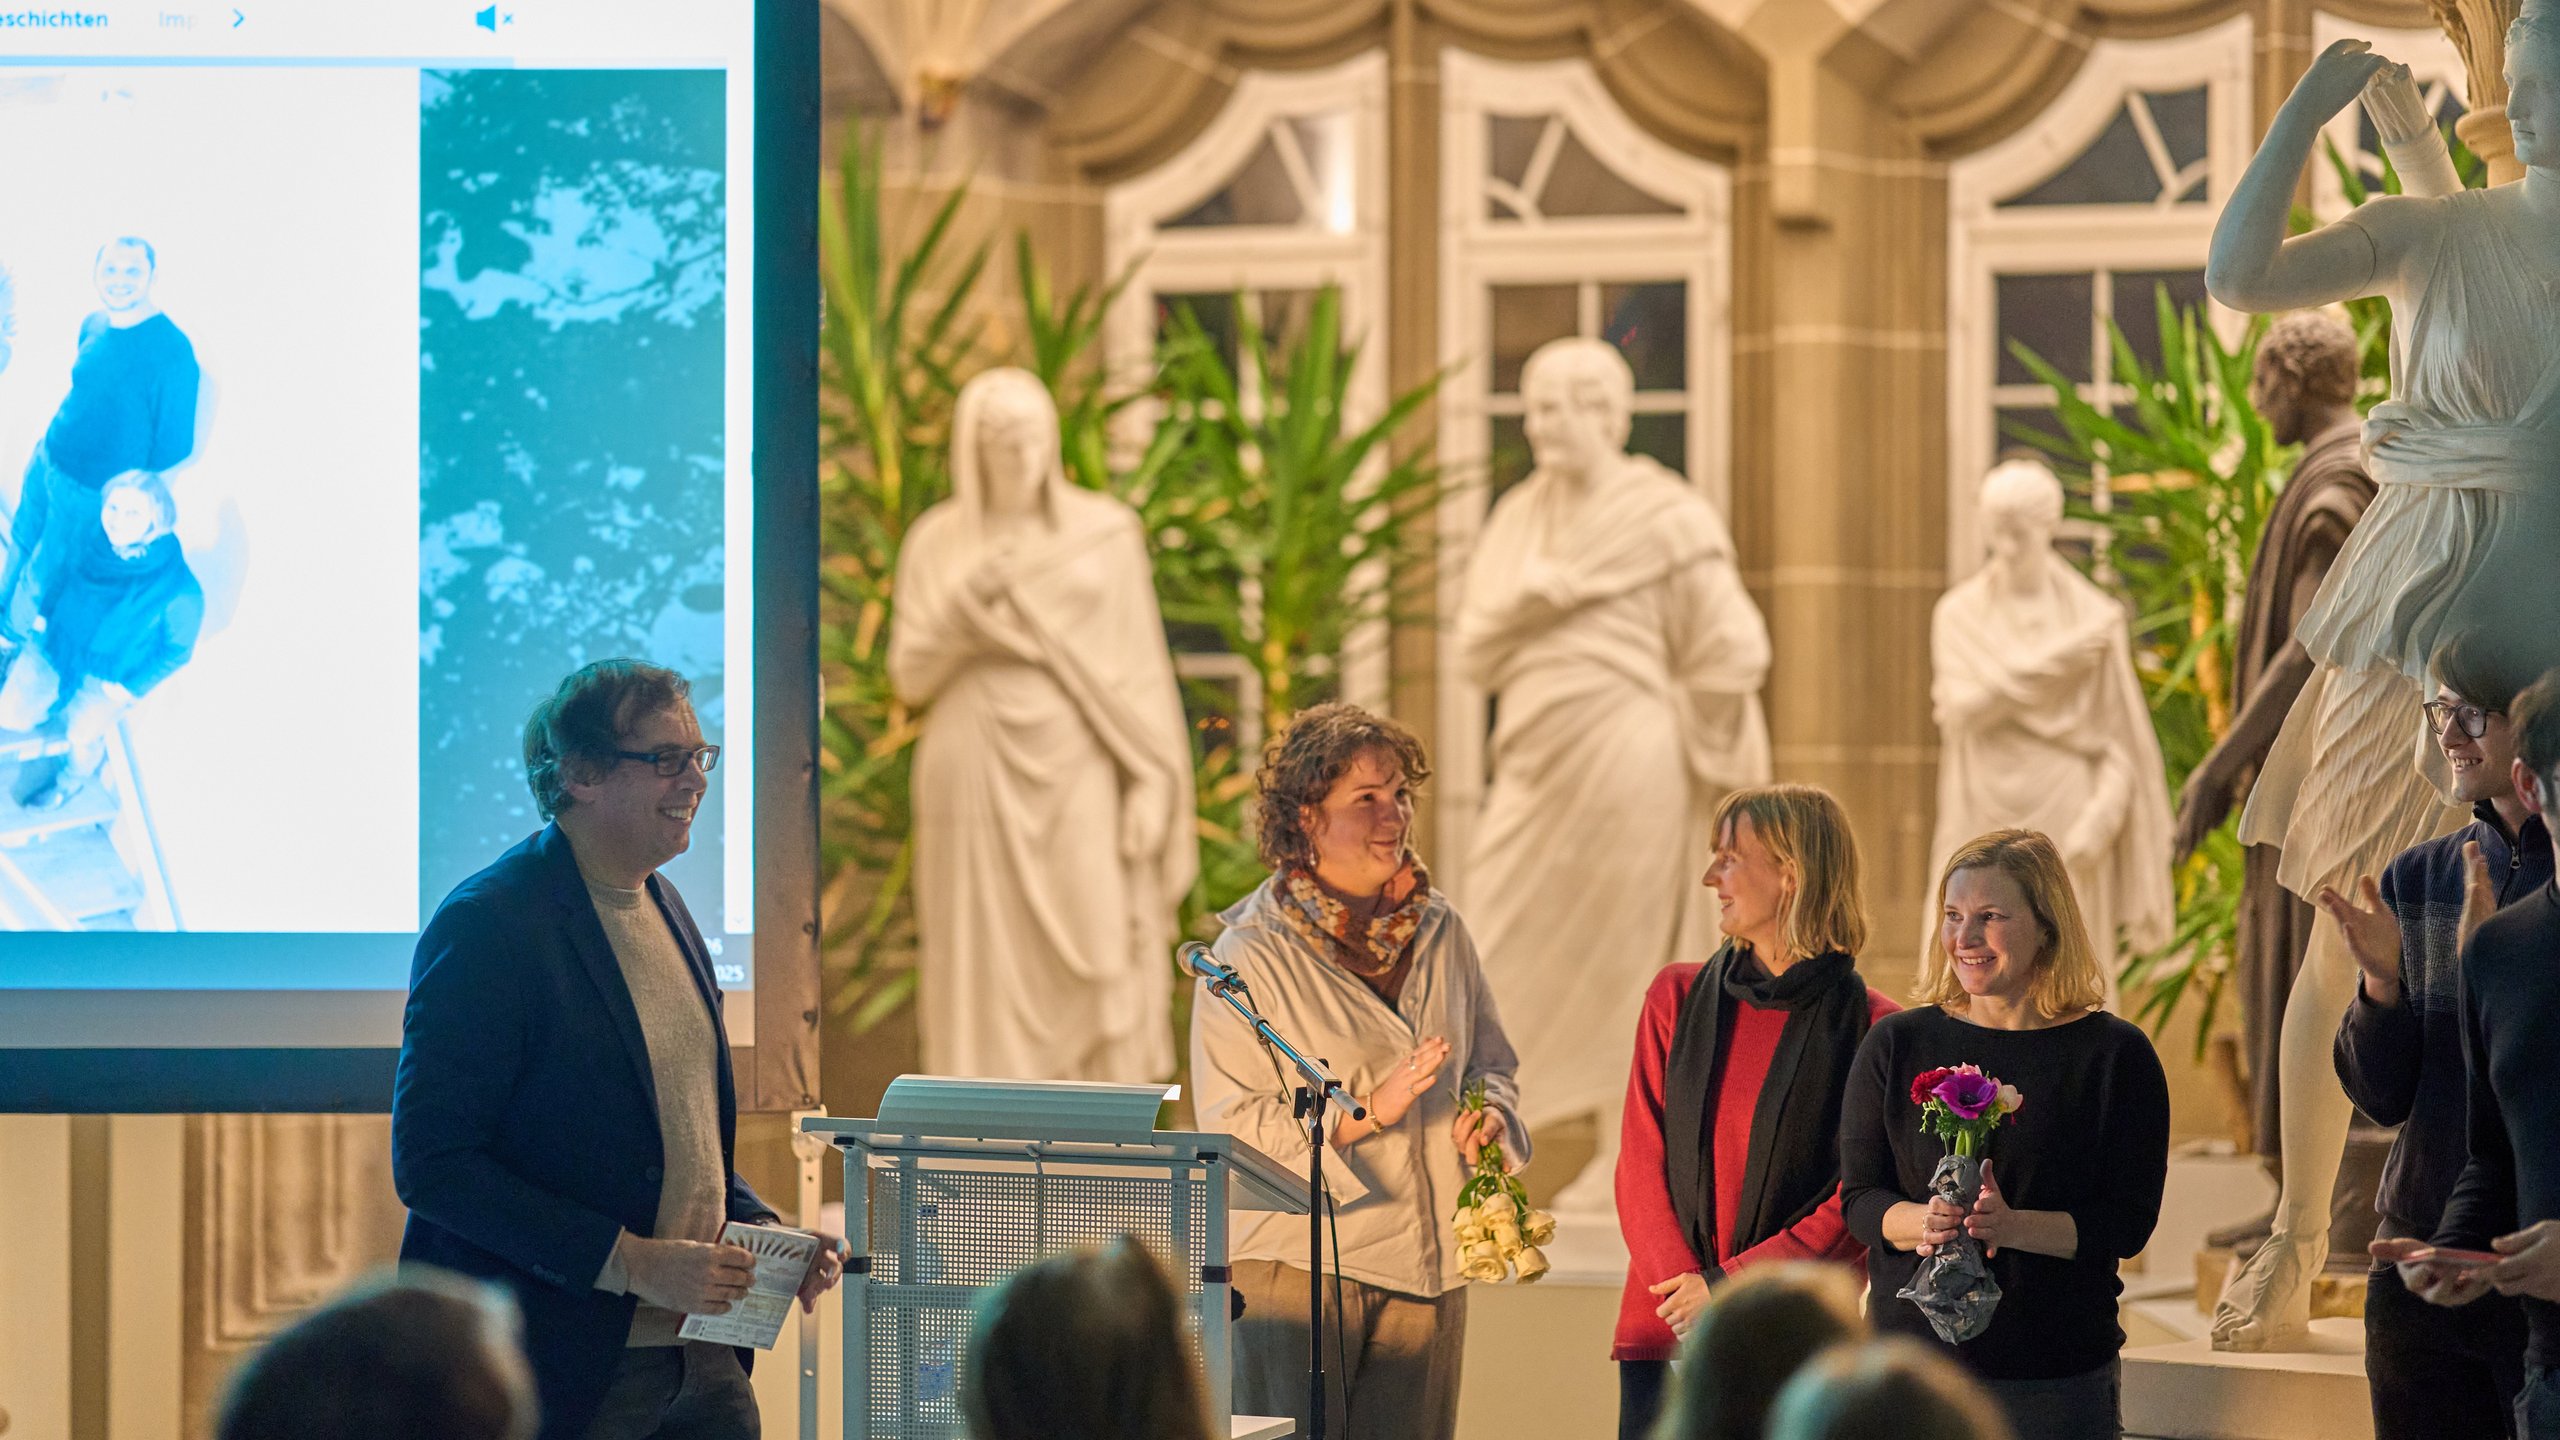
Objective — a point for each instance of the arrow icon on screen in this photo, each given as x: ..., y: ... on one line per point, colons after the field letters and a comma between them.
x: 238, y: 19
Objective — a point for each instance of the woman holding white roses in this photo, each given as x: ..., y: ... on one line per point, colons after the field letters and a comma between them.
x: 2010, y: 1023
x: 1353, y: 955
x: 1731, y: 1151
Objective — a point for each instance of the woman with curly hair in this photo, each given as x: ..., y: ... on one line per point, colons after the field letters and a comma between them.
x: 1354, y: 956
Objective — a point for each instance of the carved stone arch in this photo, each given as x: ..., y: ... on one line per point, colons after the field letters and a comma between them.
x: 1994, y: 71
x: 1675, y: 71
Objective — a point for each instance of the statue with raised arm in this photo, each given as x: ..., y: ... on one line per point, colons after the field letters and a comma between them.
x: 1054, y: 830
x: 1604, y: 611
x: 2303, y: 382
x: 2467, y: 469
x: 2041, y: 720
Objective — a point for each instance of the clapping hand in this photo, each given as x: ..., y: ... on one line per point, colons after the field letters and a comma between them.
x: 2479, y: 892
x: 1394, y: 1095
x: 2372, y: 934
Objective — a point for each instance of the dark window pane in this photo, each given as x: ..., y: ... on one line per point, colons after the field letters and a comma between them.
x: 2137, y: 306
x: 1215, y: 312
x: 1649, y: 323
x: 2114, y: 170
x: 1283, y: 315
x: 2180, y: 117
x: 2049, y: 314
x: 1509, y: 141
x: 1582, y: 184
x: 2018, y: 424
x: 1507, y: 458
x: 1524, y: 318
x: 1665, y: 438
x: 1258, y: 194
x: 1190, y: 637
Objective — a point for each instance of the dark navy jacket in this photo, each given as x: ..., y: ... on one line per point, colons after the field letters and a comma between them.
x: 2402, y: 1064
x: 524, y: 1123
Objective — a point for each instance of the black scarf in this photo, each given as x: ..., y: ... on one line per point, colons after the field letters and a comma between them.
x: 1795, y: 1127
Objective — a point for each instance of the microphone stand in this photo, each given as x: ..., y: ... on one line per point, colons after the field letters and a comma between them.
x: 1320, y: 1090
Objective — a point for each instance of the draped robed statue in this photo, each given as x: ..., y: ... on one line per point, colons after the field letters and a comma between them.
x: 1604, y: 612
x: 2042, y: 723
x: 1054, y: 830
x: 2458, y: 539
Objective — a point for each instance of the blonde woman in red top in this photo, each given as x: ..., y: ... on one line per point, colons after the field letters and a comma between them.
x: 1731, y: 1155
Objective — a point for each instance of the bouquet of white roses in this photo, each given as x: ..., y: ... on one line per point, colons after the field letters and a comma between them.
x: 1498, y: 1234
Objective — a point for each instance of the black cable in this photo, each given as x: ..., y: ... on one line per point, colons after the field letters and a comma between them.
x: 1341, y: 1312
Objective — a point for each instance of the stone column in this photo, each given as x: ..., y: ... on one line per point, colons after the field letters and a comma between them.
x: 2478, y: 28
x: 1840, y: 486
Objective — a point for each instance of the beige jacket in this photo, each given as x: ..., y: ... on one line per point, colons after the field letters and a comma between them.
x: 1393, y: 1191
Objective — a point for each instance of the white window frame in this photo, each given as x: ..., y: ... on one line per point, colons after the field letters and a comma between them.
x: 1694, y: 246
x: 1344, y: 246
x: 1985, y: 241
x: 2433, y: 62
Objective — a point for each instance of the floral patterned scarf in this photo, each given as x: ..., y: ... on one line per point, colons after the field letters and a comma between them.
x: 1369, y: 950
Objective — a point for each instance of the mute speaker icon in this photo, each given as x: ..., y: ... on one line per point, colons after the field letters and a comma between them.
x: 488, y: 19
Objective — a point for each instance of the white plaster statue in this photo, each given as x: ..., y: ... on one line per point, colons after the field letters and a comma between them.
x: 1054, y: 829
x: 2042, y: 722
x: 1604, y: 612
x: 2459, y: 535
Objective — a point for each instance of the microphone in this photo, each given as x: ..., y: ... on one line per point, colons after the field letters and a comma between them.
x: 1197, y: 959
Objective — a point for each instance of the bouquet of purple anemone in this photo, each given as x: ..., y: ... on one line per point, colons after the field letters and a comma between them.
x: 1961, y: 1106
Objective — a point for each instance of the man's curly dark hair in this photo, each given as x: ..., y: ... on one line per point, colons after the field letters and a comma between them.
x: 1300, y: 764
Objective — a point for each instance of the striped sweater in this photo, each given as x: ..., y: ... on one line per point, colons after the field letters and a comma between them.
x: 2402, y: 1064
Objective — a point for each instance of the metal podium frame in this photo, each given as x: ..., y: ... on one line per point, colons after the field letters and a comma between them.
x: 1063, y: 1157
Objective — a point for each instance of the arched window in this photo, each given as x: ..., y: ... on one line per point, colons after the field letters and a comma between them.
x: 1284, y: 193
x: 1560, y: 217
x: 2078, y: 219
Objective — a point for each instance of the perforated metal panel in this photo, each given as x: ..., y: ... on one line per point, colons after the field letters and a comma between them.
x: 942, y: 1233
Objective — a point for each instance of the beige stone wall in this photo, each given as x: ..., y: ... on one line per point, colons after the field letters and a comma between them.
x: 148, y: 1252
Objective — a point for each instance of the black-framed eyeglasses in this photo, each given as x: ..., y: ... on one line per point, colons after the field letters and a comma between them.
x: 671, y: 763
x: 2473, y: 720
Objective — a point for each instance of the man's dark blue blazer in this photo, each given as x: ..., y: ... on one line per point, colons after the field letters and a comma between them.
x: 524, y: 1123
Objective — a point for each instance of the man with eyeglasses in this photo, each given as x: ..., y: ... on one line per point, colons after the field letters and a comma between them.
x: 2399, y: 1051
x: 2507, y: 1200
x: 563, y: 1120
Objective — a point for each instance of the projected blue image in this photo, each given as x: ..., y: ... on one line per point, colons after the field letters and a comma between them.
x: 571, y: 445
x: 98, y: 606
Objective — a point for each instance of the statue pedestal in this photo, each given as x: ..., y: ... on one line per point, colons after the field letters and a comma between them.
x: 2187, y: 1390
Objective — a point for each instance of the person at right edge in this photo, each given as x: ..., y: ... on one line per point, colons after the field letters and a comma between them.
x: 2399, y: 1053
x: 2508, y: 1198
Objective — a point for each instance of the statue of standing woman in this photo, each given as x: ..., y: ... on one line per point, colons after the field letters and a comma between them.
x: 2458, y: 538
x: 1054, y: 829
x: 1604, y: 612
x: 2041, y: 720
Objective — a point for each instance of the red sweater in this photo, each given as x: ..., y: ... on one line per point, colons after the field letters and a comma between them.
x: 1656, y: 1248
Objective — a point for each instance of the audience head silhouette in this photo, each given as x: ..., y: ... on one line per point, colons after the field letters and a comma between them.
x: 1090, y: 1345
x: 420, y: 1355
x: 1891, y: 1387
x: 1758, y: 1330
